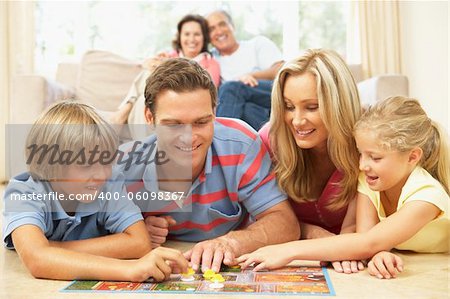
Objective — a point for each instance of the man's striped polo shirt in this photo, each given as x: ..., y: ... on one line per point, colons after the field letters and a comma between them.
x: 236, y: 182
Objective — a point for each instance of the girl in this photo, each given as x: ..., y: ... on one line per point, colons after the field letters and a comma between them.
x: 315, y: 105
x: 56, y: 216
x: 403, y: 194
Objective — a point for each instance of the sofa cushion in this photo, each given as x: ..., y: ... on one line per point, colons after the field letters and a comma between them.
x: 104, y: 79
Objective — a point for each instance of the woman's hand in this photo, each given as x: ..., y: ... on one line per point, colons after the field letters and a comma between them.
x: 269, y: 257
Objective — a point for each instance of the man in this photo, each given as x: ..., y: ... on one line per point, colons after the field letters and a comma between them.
x: 229, y: 167
x: 247, y: 69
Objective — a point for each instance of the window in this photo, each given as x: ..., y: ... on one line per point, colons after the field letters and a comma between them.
x: 137, y: 30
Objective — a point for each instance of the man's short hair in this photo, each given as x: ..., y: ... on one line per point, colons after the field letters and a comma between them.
x: 179, y: 75
x: 225, y: 13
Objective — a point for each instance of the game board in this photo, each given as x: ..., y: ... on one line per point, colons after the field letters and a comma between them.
x: 284, y: 281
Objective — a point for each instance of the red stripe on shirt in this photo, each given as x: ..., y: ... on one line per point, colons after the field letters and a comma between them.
x: 254, y: 168
x: 213, y: 196
x: 203, y: 227
x: 235, y: 125
x: 268, y: 178
x: 170, y: 207
x: 228, y: 160
x: 134, y: 187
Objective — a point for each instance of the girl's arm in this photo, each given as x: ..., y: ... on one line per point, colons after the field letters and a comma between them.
x: 383, y: 264
x: 349, y: 223
x: 134, y: 242
x: 45, y: 261
x: 395, y: 229
x: 366, y: 214
x: 349, y: 226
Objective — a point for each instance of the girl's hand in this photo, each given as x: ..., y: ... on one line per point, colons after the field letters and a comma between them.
x: 385, y: 264
x: 269, y: 257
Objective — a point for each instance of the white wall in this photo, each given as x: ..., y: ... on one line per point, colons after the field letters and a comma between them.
x: 424, y: 39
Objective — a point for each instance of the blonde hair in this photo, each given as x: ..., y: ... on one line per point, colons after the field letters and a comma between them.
x: 64, y: 128
x: 401, y: 124
x: 339, y: 108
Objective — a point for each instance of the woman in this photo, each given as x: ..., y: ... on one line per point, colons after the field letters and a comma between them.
x: 191, y: 41
x: 315, y: 105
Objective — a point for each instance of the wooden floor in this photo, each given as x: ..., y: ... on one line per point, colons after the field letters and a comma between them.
x: 425, y: 276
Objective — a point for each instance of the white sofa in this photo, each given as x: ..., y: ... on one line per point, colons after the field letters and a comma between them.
x: 102, y: 79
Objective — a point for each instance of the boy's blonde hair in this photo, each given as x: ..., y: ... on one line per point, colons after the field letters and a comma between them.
x: 401, y: 124
x: 339, y: 108
x: 69, y: 127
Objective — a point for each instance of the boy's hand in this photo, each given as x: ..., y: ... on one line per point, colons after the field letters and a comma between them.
x: 156, y: 264
x: 385, y: 264
x: 158, y: 228
x: 269, y: 257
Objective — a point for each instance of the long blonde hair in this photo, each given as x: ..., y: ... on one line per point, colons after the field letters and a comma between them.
x: 71, y: 127
x: 401, y: 124
x: 339, y: 108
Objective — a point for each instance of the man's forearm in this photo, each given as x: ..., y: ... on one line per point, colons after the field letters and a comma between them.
x: 268, y: 74
x: 277, y: 225
x: 310, y: 231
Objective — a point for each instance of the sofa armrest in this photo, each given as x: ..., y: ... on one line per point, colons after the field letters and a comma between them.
x: 381, y: 87
x: 31, y: 94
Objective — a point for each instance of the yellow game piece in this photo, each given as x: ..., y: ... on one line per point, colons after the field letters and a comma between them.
x: 189, y: 275
x: 217, y: 278
x: 209, y: 273
x: 189, y: 272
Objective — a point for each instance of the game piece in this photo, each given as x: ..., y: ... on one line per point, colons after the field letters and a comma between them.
x: 208, y: 274
x: 217, y: 280
x: 187, y: 278
x: 189, y: 275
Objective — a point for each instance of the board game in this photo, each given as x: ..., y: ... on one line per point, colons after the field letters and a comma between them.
x: 283, y: 281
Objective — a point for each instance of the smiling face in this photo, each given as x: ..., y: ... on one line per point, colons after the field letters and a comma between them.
x: 87, y: 180
x: 187, y: 126
x: 221, y: 33
x: 385, y: 170
x: 191, y: 39
x: 302, y: 112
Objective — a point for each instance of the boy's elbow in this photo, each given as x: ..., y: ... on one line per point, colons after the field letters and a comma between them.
x: 37, y: 268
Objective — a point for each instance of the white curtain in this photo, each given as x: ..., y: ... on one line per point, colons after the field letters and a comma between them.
x: 16, y: 57
x: 375, y: 26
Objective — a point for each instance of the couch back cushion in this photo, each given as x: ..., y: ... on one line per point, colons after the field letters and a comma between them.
x: 104, y: 79
x: 356, y: 70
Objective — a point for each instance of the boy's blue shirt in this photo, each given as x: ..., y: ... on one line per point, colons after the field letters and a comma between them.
x: 97, y: 218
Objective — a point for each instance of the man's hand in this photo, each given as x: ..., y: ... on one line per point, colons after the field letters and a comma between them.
x: 249, y: 80
x: 158, y: 228
x: 211, y: 253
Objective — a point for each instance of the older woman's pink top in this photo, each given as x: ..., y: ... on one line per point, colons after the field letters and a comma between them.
x: 207, y: 62
x: 315, y: 212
